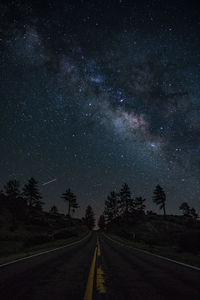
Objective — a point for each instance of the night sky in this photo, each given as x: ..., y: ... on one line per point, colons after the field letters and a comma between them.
x: 98, y: 93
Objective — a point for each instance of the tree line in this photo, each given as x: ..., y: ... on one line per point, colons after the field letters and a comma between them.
x: 22, y: 203
x: 123, y: 204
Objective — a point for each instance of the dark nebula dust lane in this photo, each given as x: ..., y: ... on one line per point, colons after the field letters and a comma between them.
x: 99, y: 93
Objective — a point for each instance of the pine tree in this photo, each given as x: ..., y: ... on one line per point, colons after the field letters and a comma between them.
x: 138, y: 204
x: 188, y: 211
x: 15, y: 202
x: 89, y: 217
x: 111, y: 206
x: 53, y: 209
x: 125, y: 202
x: 69, y: 197
x: 32, y: 194
x: 193, y: 213
x: 185, y: 209
x: 12, y: 188
x: 159, y: 198
x: 2, y: 201
x: 101, y: 222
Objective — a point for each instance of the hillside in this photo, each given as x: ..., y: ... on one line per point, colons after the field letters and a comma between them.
x: 37, y: 230
x: 174, y: 236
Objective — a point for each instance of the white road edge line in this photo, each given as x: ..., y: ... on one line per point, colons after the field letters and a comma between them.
x: 44, y: 252
x: 156, y: 255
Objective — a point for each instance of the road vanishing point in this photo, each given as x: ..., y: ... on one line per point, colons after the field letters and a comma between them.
x: 98, y: 267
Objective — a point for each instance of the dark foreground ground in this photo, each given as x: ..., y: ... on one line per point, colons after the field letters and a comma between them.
x: 56, y: 275
x: 132, y: 274
x: 127, y: 274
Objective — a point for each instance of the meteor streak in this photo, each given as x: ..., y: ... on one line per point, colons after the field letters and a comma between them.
x: 49, y: 181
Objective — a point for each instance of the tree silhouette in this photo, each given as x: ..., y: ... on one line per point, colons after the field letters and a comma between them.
x: 69, y: 197
x: 2, y: 201
x: 15, y: 203
x: 12, y: 188
x: 111, y: 206
x: 89, y: 217
x: 101, y: 222
x: 32, y: 194
x: 188, y: 211
x: 139, y: 205
x: 185, y: 209
x: 53, y: 209
x: 125, y: 202
x: 159, y: 198
x: 193, y: 213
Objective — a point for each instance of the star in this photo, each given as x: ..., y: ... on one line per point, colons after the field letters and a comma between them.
x: 91, y: 101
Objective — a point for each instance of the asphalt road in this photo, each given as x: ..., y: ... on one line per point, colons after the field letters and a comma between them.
x: 131, y: 274
x: 98, y: 268
x: 61, y: 274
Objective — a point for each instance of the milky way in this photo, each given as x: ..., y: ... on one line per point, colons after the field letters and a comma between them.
x: 98, y: 94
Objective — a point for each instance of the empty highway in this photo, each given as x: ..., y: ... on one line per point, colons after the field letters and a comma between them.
x: 98, y: 268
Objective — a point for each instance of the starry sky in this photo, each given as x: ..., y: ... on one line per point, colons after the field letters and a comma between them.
x: 98, y: 93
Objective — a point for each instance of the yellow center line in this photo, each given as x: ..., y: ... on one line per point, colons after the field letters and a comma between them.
x: 99, y: 251
x: 89, y: 287
x: 98, y: 247
x: 100, y: 281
